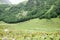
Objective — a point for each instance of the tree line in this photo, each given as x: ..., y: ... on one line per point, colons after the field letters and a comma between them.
x: 29, y: 10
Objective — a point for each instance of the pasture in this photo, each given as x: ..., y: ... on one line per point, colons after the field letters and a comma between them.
x: 34, y: 29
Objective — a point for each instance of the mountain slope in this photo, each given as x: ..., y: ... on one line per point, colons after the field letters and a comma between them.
x: 5, y: 2
x: 32, y: 9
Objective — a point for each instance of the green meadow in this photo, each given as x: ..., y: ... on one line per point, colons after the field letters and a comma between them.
x: 34, y: 29
x: 35, y: 24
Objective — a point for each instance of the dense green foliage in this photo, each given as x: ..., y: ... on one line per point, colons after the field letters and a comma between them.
x: 29, y: 10
x: 44, y: 8
x: 2, y: 10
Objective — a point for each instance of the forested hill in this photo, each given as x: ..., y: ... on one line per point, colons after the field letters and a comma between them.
x: 29, y: 10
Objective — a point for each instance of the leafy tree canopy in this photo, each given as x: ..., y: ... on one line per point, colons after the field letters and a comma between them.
x: 29, y: 10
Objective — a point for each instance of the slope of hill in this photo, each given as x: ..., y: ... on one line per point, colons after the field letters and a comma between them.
x: 32, y: 9
x: 5, y: 2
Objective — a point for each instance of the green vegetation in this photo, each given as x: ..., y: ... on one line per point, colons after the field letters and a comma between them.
x: 2, y: 10
x: 52, y: 25
x: 30, y: 10
x: 31, y: 20
x: 33, y: 29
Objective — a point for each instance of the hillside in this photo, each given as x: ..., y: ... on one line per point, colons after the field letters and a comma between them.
x: 42, y: 9
x: 5, y: 2
x: 30, y: 20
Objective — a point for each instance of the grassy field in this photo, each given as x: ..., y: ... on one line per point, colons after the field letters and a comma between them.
x: 32, y: 29
x: 35, y: 24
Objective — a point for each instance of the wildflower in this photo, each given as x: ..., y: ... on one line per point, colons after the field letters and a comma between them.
x: 6, y: 30
x: 13, y: 38
x: 4, y: 38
